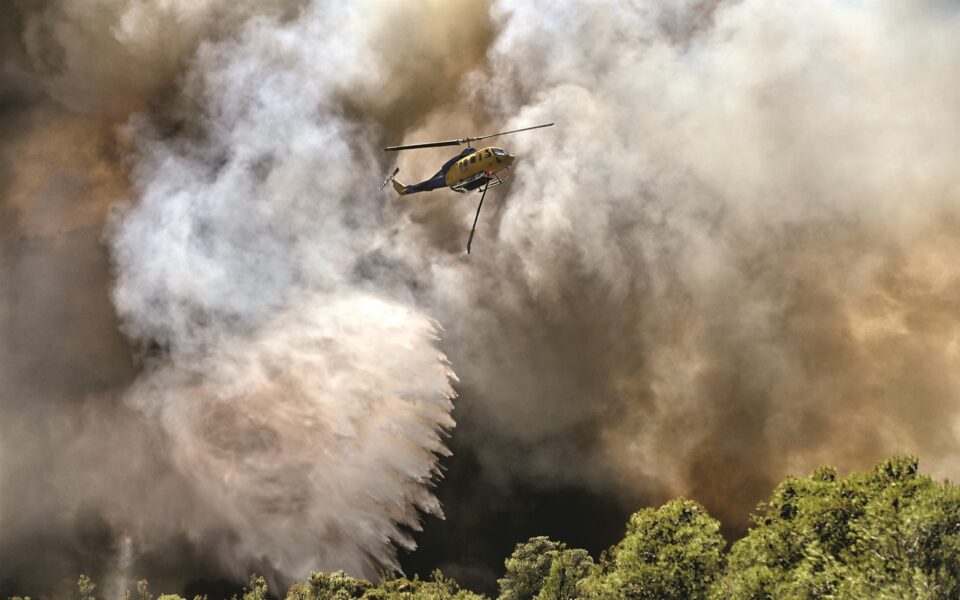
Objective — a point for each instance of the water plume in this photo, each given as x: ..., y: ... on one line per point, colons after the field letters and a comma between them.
x: 276, y: 409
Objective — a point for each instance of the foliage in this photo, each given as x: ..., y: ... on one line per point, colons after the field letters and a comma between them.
x: 890, y: 533
x: 527, y: 568
x: 545, y: 569
x: 333, y: 586
x: 568, y: 568
x: 887, y: 534
x: 86, y: 587
x: 438, y: 587
x: 257, y: 590
x: 675, y: 551
x: 340, y: 586
x: 143, y: 590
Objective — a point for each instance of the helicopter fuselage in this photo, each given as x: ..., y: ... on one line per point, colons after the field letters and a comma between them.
x: 468, y: 170
x: 476, y: 167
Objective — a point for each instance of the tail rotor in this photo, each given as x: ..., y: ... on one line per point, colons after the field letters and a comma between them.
x: 390, y: 178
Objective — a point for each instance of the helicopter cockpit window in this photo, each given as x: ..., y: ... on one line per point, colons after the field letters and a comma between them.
x: 473, y: 159
x: 486, y: 154
x: 499, y: 152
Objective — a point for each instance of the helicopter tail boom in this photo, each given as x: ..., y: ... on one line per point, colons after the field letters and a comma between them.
x: 399, y: 187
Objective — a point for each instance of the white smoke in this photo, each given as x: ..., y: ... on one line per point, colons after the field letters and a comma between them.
x: 313, y: 440
x: 300, y: 400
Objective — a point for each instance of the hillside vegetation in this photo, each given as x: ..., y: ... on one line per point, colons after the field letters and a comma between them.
x: 887, y: 534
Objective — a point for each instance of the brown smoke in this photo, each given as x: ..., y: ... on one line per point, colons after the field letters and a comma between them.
x: 62, y: 359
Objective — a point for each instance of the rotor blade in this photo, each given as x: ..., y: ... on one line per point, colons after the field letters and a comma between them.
x: 483, y: 137
x: 429, y: 145
x: 461, y: 141
x: 479, y: 206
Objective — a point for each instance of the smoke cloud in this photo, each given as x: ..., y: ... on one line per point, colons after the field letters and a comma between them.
x: 729, y: 261
x: 281, y: 411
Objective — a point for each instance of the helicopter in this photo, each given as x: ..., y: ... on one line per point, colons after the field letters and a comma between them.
x: 472, y: 169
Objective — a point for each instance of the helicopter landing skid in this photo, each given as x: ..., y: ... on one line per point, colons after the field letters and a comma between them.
x: 477, y: 182
x: 495, y: 180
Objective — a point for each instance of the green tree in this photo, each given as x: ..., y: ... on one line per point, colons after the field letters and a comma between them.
x: 673, y: 552
x: 86, y: 587
x: 258, y: 589
x: 890, y: 533
x: 340, y: 586
x: 539, y: 561
x: 143, y: 590
x: 332, y: 586
x: 568, y: 568
x: 438, y: 587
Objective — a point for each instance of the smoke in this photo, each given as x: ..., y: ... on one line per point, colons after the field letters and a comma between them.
x: 282, y: 412
x: 729, y: 261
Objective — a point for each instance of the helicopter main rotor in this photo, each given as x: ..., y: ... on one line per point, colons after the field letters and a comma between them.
x: 461, y: 141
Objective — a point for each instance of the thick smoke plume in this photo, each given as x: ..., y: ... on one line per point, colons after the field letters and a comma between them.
x: 289, y: 411
x: 729, y: 261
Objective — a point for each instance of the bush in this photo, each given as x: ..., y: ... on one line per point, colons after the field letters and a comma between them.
x: 887, y: 534
x: 675, y: 551
x: 890, y: 533
x: 544, y: 569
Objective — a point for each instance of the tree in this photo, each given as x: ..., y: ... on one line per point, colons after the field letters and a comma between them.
x: 673, y: 552
x: 438, y: 587
x: 333, y: 586
x: 340, y: 586
x: 568, y: 568
x: 86, y: 587
x: 143, y: 590
x: 540, y: 561
x: 890, y: 533
x: 887, y: 534
x: 258, y: 589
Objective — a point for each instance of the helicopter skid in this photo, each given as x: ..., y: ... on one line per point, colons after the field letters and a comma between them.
x: 477, y: 181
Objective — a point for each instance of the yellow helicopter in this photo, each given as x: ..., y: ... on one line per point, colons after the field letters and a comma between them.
x: 472, y: 169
